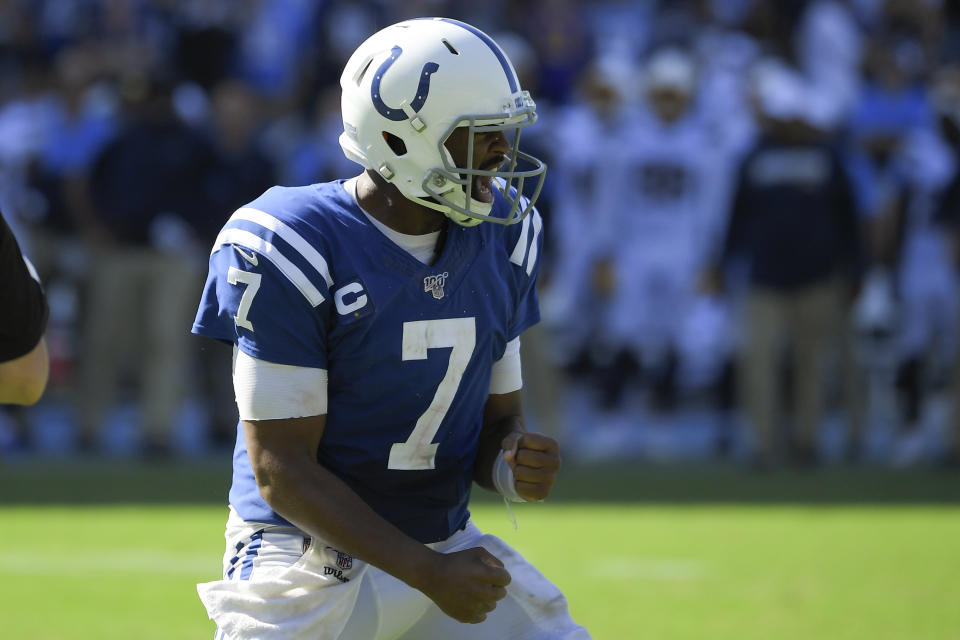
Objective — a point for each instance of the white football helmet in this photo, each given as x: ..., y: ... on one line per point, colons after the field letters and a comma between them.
x: 408, y: 87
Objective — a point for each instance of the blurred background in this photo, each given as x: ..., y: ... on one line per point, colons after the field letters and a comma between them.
x: 752, y: 214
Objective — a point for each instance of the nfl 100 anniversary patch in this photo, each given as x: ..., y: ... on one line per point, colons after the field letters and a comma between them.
x: 434, y: 284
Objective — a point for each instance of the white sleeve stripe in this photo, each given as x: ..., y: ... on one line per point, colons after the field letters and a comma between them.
x: 270, y: 391
x: 537, y: 227
x: 271, y: 253
x: 520, y: 251
x: 290, y: 236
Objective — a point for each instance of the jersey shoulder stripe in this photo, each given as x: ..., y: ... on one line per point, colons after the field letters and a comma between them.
x: 520, y: 250
x: 248, y: 240
x: 289, y: 235
x: 297, y: 228
x: 537, y: 228
x: 526, y: 249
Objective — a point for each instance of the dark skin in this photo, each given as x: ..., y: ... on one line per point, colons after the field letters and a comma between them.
x: 466, y: 585
x: 384, y: 201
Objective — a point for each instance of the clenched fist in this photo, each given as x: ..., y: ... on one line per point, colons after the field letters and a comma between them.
x: 468, y: 584
x: 535, y: 460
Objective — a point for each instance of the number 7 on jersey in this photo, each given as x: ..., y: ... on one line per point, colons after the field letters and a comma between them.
x: 419, y: 450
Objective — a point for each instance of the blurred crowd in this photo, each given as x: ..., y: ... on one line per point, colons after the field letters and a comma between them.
x: 752, y: 210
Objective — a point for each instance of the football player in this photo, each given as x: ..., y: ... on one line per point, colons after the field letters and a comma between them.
x: 924, y: 280
x: 586, y: 190
x: 670, y: 214
x: 376, y: 325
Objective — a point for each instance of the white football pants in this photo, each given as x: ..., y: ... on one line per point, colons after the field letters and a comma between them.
x: 279, y: 584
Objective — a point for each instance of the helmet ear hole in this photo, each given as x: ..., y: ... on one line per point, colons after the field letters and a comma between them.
x: 450, y: 47
x: 395, y: 143
x: 363, y: 71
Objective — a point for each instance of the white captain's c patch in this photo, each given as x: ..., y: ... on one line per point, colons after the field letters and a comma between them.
x: 352, y: 300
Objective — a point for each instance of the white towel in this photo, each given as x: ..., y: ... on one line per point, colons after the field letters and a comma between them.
x: 311, y: 598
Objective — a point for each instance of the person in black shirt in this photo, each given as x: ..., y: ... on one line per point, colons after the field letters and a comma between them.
x: 147, y: 191
x: 24, y: 363
x: 793, y: 220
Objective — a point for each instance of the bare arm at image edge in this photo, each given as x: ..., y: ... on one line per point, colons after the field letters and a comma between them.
x: 24, y: 362
x: 23, y: 379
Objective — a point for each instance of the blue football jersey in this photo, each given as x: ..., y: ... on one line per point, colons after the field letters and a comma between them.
x: 301, y: 277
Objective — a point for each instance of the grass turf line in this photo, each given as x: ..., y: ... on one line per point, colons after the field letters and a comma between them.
x: 629, y: 571
x: 206, y: 481
x: 112, y: 549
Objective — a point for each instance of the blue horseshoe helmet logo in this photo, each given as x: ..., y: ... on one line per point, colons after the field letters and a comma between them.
x: 423, y: 88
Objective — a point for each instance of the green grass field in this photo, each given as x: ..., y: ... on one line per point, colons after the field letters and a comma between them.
x: 715, y: 553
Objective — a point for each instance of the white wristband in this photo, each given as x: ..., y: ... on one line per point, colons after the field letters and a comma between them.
x: 503, y: 480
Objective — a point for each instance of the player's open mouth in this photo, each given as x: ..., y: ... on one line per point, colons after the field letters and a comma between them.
x: 482, y: 190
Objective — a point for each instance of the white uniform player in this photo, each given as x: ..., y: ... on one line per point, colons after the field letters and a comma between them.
x: 916, y: 301
x: 928, y: 293
x: 671, y: 199
x: 927, y: 281
x: 588, y: 151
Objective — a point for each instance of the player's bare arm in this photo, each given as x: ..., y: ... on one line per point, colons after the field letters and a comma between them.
x: 534, y: 457
x: 465, y: 585
x: 23, y: 379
